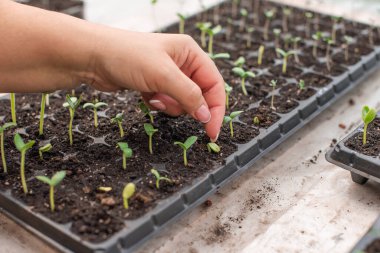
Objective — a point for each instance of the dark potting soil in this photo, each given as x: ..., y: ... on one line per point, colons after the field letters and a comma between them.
x: 372, y: 147
x: 94, y: 161
x: 54, y: 5
x: 373, y: 247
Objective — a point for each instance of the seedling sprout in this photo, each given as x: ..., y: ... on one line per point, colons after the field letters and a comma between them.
x: 150, y: 130
x: 244, y: 14
x: 219, y: 56
x: 309, y: 17
x: 182, y: 19
x: 286, y: 12
x: 368, y: 115
x: 336, y: 20
x: 287, y: 40
x: 128, y: 192
x: 127, y: 152
x: 243, y: 75
x: 256, y: 121
x: 159, y: 178
x: 13, y: 107
x: 273, y: 84
x: 285, y: 56
x: 44, y: 149
x: 72, y: 103
x: 250, y: 31
x: 23, y: 148
x: 295, y: 41
x: 329, y: 42
x: 317, y: 38
x: 239, y: 62
x: 268, y: 17
x: 2, y: 130
x: 186, y: 146
x: 145, y: 109
x: 228, y: 90
x: 53, y: 182
x: 213, y: 147
x: 211, y: 33
x: 348, y: 40
x: 119, y: 120
x: 95, y: 106
x: 301, y: 86
x: 260, y: 55
x: 42, y: 113
x: 203, y: 27
x: 229, y: 119
x: 277, y: 33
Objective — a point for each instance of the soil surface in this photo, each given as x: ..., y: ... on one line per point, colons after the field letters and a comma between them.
x: 373, y: 247
x: 93, y: 160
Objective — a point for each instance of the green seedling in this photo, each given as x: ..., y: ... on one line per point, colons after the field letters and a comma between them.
x: 243, y: 75
x: 150, y: 130
x: 182, y: 19
x: 145, y: 109
x: 256, y: 121
x: 213, y: 147
x: 23, y: 148
x: 309, y: 16
x: 95, y: 107
x: 228, y: 90
x: 285, y: 56
x: 368, y: 115
x: 317, y: 37
x: 336, y: 20
x: 287, y: 40
x: 260, y: 55
x: 128, y: 192
x: 347, y: 41
x: 301, y: 86
x: 269, y: 15
x: 72, y: 103
x: 244, y: 14
x: 119, y: 120
x: 211, y: 33
x: 229, y: 119
x: 273, y: 84
x: 186, y: 146
x: 42, y: 113
x: 286, y: 12
x: 3, y: 128
x: 53, y: 182
x: 239, y: 62
x: 229, y: 28
x: 250, y: 31
x: 13, y: 107
x: 127, y: 152
x: 295, y: 41
x: 159, y: 178
x: 277, y: 33
x: 219, y: 56
x: 329, y: 42
x: 104, y: 188
x: 44, y: 149
x: 203, y: 27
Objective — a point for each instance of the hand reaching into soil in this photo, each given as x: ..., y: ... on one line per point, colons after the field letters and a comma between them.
x: 46, y: 51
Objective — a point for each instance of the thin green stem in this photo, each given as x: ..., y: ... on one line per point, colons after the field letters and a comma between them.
x: 124, y: 161
x: 210, y: 42
x: 150, y: 144
x: 231, y: 129
x: 42, y: 113
x: 52, y: 204
x: 125, y: 201
x: 185, y: 157
x: 13, y: 107
x: 272, y: 100
x: 203, y: 39
x: 22, y: 172
x: 365, y: 134
x: 3, y: 153
x: 151, y: 118
x: 227, y: 101
x: 243, y: 86
x: 71, y: 126
x: 284, y: 65
x: 182, y: 26
x: 121, y: 129
x: 96, y: 118
x: 315, y: 46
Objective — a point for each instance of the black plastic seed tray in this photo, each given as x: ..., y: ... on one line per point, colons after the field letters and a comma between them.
x: 70, y: 7
x: 362, y: 167
x: 169, y: 210
x: 368, y: 239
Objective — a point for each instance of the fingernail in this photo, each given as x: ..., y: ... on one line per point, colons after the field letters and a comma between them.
x: 157, y: 104
x: 216, y: 138
x: 203, y: 114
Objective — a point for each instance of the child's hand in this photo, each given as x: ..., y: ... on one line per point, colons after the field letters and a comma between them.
x: 172, y: 72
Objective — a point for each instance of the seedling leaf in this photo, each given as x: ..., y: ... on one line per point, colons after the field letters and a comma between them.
x: 58, y: 177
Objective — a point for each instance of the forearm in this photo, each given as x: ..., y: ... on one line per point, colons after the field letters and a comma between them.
x: 42, y: 50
